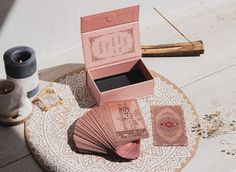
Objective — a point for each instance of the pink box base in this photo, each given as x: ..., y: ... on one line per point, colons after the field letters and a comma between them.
x: 127, y: 92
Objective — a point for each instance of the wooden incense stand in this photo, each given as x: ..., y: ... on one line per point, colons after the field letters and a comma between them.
x: 194, y: 48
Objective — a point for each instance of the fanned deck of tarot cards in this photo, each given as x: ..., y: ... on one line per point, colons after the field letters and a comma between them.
x: 113, y: 129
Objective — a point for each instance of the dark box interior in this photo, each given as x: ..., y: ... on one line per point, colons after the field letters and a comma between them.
x: 120, y: 80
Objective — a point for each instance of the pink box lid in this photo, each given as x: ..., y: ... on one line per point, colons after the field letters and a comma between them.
x: 111, y: 36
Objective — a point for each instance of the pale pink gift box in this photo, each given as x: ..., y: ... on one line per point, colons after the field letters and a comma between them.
x: 112, y: 53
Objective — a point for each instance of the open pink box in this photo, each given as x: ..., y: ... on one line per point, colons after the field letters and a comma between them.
x: 112, y: 53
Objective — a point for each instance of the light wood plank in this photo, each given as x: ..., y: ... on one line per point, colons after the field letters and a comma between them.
x: 215, y: 92
x: 12, y: 144
x: 26, y: 164
x: 210, y: 22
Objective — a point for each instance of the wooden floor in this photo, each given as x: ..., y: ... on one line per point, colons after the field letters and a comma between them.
x: 209, y: 81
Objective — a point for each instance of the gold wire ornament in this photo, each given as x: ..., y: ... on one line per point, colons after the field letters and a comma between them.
x: 47, y: 100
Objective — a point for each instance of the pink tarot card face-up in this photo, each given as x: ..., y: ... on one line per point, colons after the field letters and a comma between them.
x: 168, y: 126
x: 128, y: 121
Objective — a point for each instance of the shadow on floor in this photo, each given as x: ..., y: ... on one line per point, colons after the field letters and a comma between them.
x: 73, y: 75
x: 5, y: 8
x: 14, y: 153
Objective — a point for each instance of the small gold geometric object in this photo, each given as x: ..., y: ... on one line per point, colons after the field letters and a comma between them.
x: 47, y: 100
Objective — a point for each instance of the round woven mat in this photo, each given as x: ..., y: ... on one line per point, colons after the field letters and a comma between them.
x: 48, y: 134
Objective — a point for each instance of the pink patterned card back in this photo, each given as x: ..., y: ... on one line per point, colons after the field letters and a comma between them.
x: 168, y: 126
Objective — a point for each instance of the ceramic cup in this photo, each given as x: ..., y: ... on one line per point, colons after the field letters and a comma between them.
x: 10, y: 98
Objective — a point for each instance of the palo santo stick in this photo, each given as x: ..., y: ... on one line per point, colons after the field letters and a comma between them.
x: 171, y: 50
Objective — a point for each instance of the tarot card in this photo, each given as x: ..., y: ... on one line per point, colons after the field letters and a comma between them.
x: 111, y: 129
x: 127, y: 121
x: 48, y: 100
x: 168, y: 126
